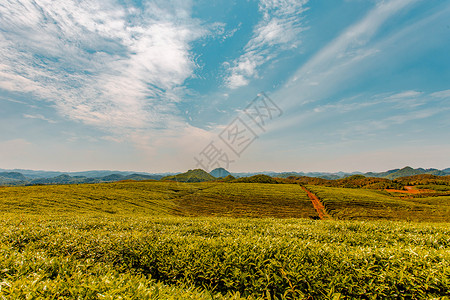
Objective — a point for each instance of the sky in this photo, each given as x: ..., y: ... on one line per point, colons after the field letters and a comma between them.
x: 255, y: 85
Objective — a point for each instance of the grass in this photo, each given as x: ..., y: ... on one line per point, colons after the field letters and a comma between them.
x: 363, y: 204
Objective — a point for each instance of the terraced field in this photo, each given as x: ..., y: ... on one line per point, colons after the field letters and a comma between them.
x: 161, y: 198
x: 248, y: 200
x: 137, y: 198
x: 364, y: 204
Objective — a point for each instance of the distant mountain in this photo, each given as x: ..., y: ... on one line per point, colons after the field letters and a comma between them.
x: 67, y: 179
x: 13, y: 175
x: 89, y: 174
x: 112, y: 177
x: 12, y: 178
x: 380, y: 174
x: 435, y: 172
x: 139, y: 177
x: 332, y: 177
x: 408, y: 171
x: 197, y: 175
x: 325, y: 175
x: 31, y: 177
x: 219, y: 173
x: 61, y: 179
x: 391, y: 174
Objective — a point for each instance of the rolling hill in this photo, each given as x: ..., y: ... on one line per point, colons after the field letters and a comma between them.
x: 197, y: 175
x: 354, y: 181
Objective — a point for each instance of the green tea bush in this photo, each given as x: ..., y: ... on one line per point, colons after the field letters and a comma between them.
x: 251, y: 258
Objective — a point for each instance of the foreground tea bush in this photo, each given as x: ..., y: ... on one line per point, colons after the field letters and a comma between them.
x: 96, y: 257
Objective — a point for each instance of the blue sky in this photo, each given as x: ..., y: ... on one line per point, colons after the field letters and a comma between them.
x: 148, y: 85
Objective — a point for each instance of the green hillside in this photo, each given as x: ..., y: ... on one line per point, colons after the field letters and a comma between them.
x: 121, y: 198
x: 247, y: 200
x: 197, y: 175
x: 364, y: 204
x: 160, y: 198
x: 355, y: 181
x: 425, y: 179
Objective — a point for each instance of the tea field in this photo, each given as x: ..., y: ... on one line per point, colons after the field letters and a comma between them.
x: 365, y: 204
x: 168, y: 240
x: 161, y: 198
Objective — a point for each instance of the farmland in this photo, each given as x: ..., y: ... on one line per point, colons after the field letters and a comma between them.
x: 161, y: 198
x: 213, y: 240
x: 364, y: 204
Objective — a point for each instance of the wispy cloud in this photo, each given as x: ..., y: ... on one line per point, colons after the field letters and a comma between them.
x: 381, y: 114
x: 278, y: 30
x: 349, y: 46
x: 342, y: 58
x: 12, y: 100
x: 442, y: 94
x: 39, y: 117
x: 112, y: 66
x: 401, y: 100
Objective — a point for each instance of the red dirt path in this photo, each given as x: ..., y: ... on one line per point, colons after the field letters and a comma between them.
x: 317, y: 205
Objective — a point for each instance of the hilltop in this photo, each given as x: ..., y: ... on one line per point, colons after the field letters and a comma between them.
x: 220, y: 173
x: 197, y: 175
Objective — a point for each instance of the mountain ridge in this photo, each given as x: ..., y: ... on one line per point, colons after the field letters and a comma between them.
x: 31, y: 177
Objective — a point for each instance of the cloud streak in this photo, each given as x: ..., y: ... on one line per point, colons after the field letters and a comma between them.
x: 342, y: 58
x: 39, y: 117
x: 278, y: 30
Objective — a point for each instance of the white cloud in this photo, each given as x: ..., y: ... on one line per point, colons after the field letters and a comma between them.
x: 278, y: 30
x: 401, y: 100
x: 441, y: 94
x: 405, y: 94
x: 39, y: 117
x: 117, y: 67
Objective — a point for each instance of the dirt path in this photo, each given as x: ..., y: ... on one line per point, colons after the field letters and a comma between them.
x: 317, y: 205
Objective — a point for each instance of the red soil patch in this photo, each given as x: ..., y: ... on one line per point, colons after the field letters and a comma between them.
x: 317, y: 205
x: 409, y: 190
